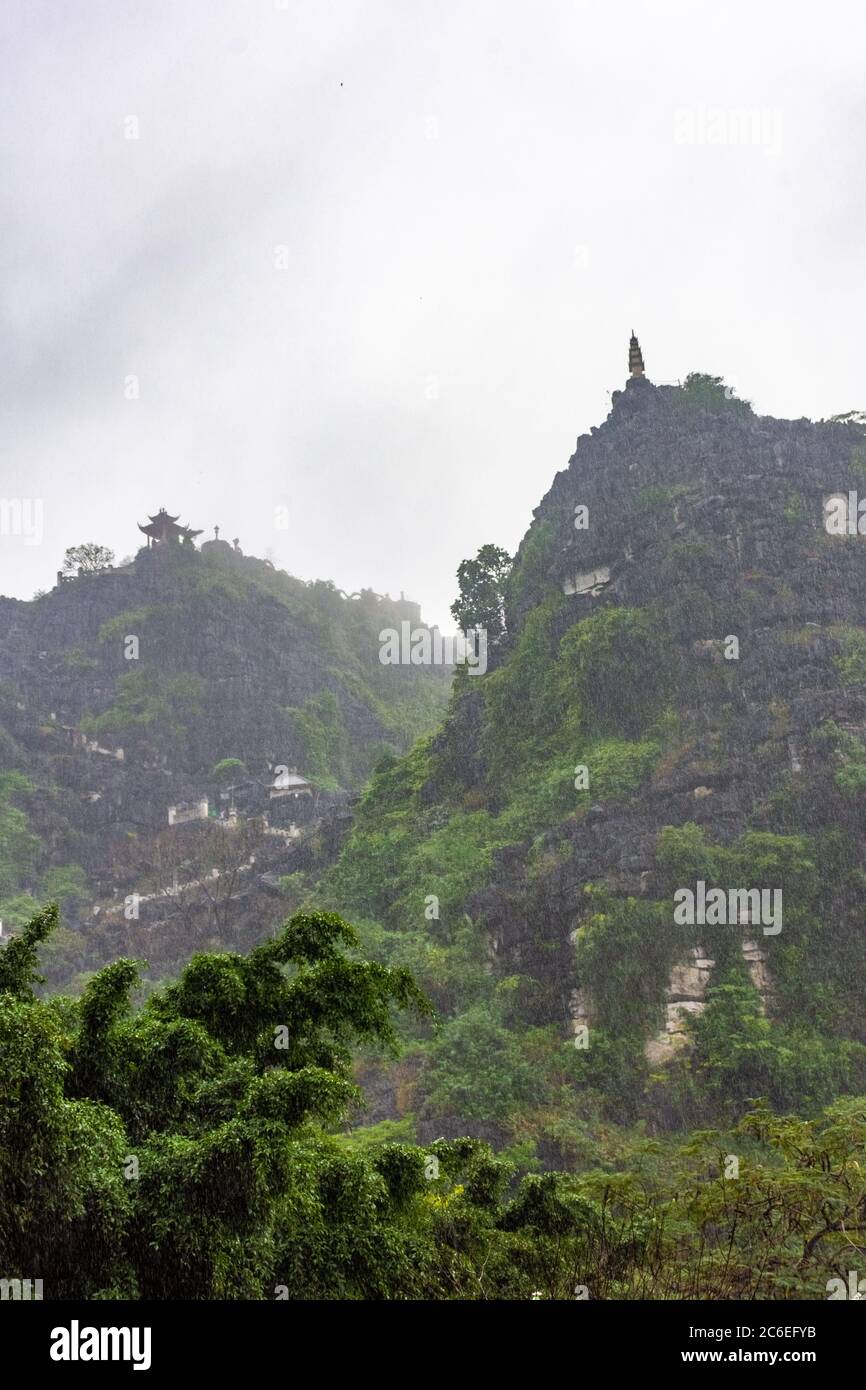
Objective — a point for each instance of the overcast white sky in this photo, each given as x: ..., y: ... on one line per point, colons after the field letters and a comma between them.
x: 476, y: 201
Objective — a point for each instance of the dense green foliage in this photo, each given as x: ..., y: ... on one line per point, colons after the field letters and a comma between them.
x: 425, y: 839
x: 194, y: 1148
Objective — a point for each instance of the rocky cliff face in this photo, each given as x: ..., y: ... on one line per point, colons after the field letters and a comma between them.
x: 680, y: 699
x: 716, y: 520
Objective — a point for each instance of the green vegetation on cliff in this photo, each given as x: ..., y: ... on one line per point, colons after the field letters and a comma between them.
x: 676, y: 723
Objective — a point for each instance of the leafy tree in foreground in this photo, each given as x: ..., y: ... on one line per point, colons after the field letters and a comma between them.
x: 191, y: 1149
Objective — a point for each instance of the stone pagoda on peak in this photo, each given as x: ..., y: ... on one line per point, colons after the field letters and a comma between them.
x: 635, y: 357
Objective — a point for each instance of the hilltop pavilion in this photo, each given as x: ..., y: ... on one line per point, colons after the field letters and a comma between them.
x: 164, y: 530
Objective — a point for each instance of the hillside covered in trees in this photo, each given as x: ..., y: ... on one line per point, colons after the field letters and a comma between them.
x: 676, y: 697
x: 149, y: 714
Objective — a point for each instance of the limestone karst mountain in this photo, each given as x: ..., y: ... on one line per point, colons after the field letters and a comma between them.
x: 175, y: 728
x: 680, y: 700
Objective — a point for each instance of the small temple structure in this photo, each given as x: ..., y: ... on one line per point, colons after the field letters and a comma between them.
x: 635, y: 357
x: 163, y: 529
